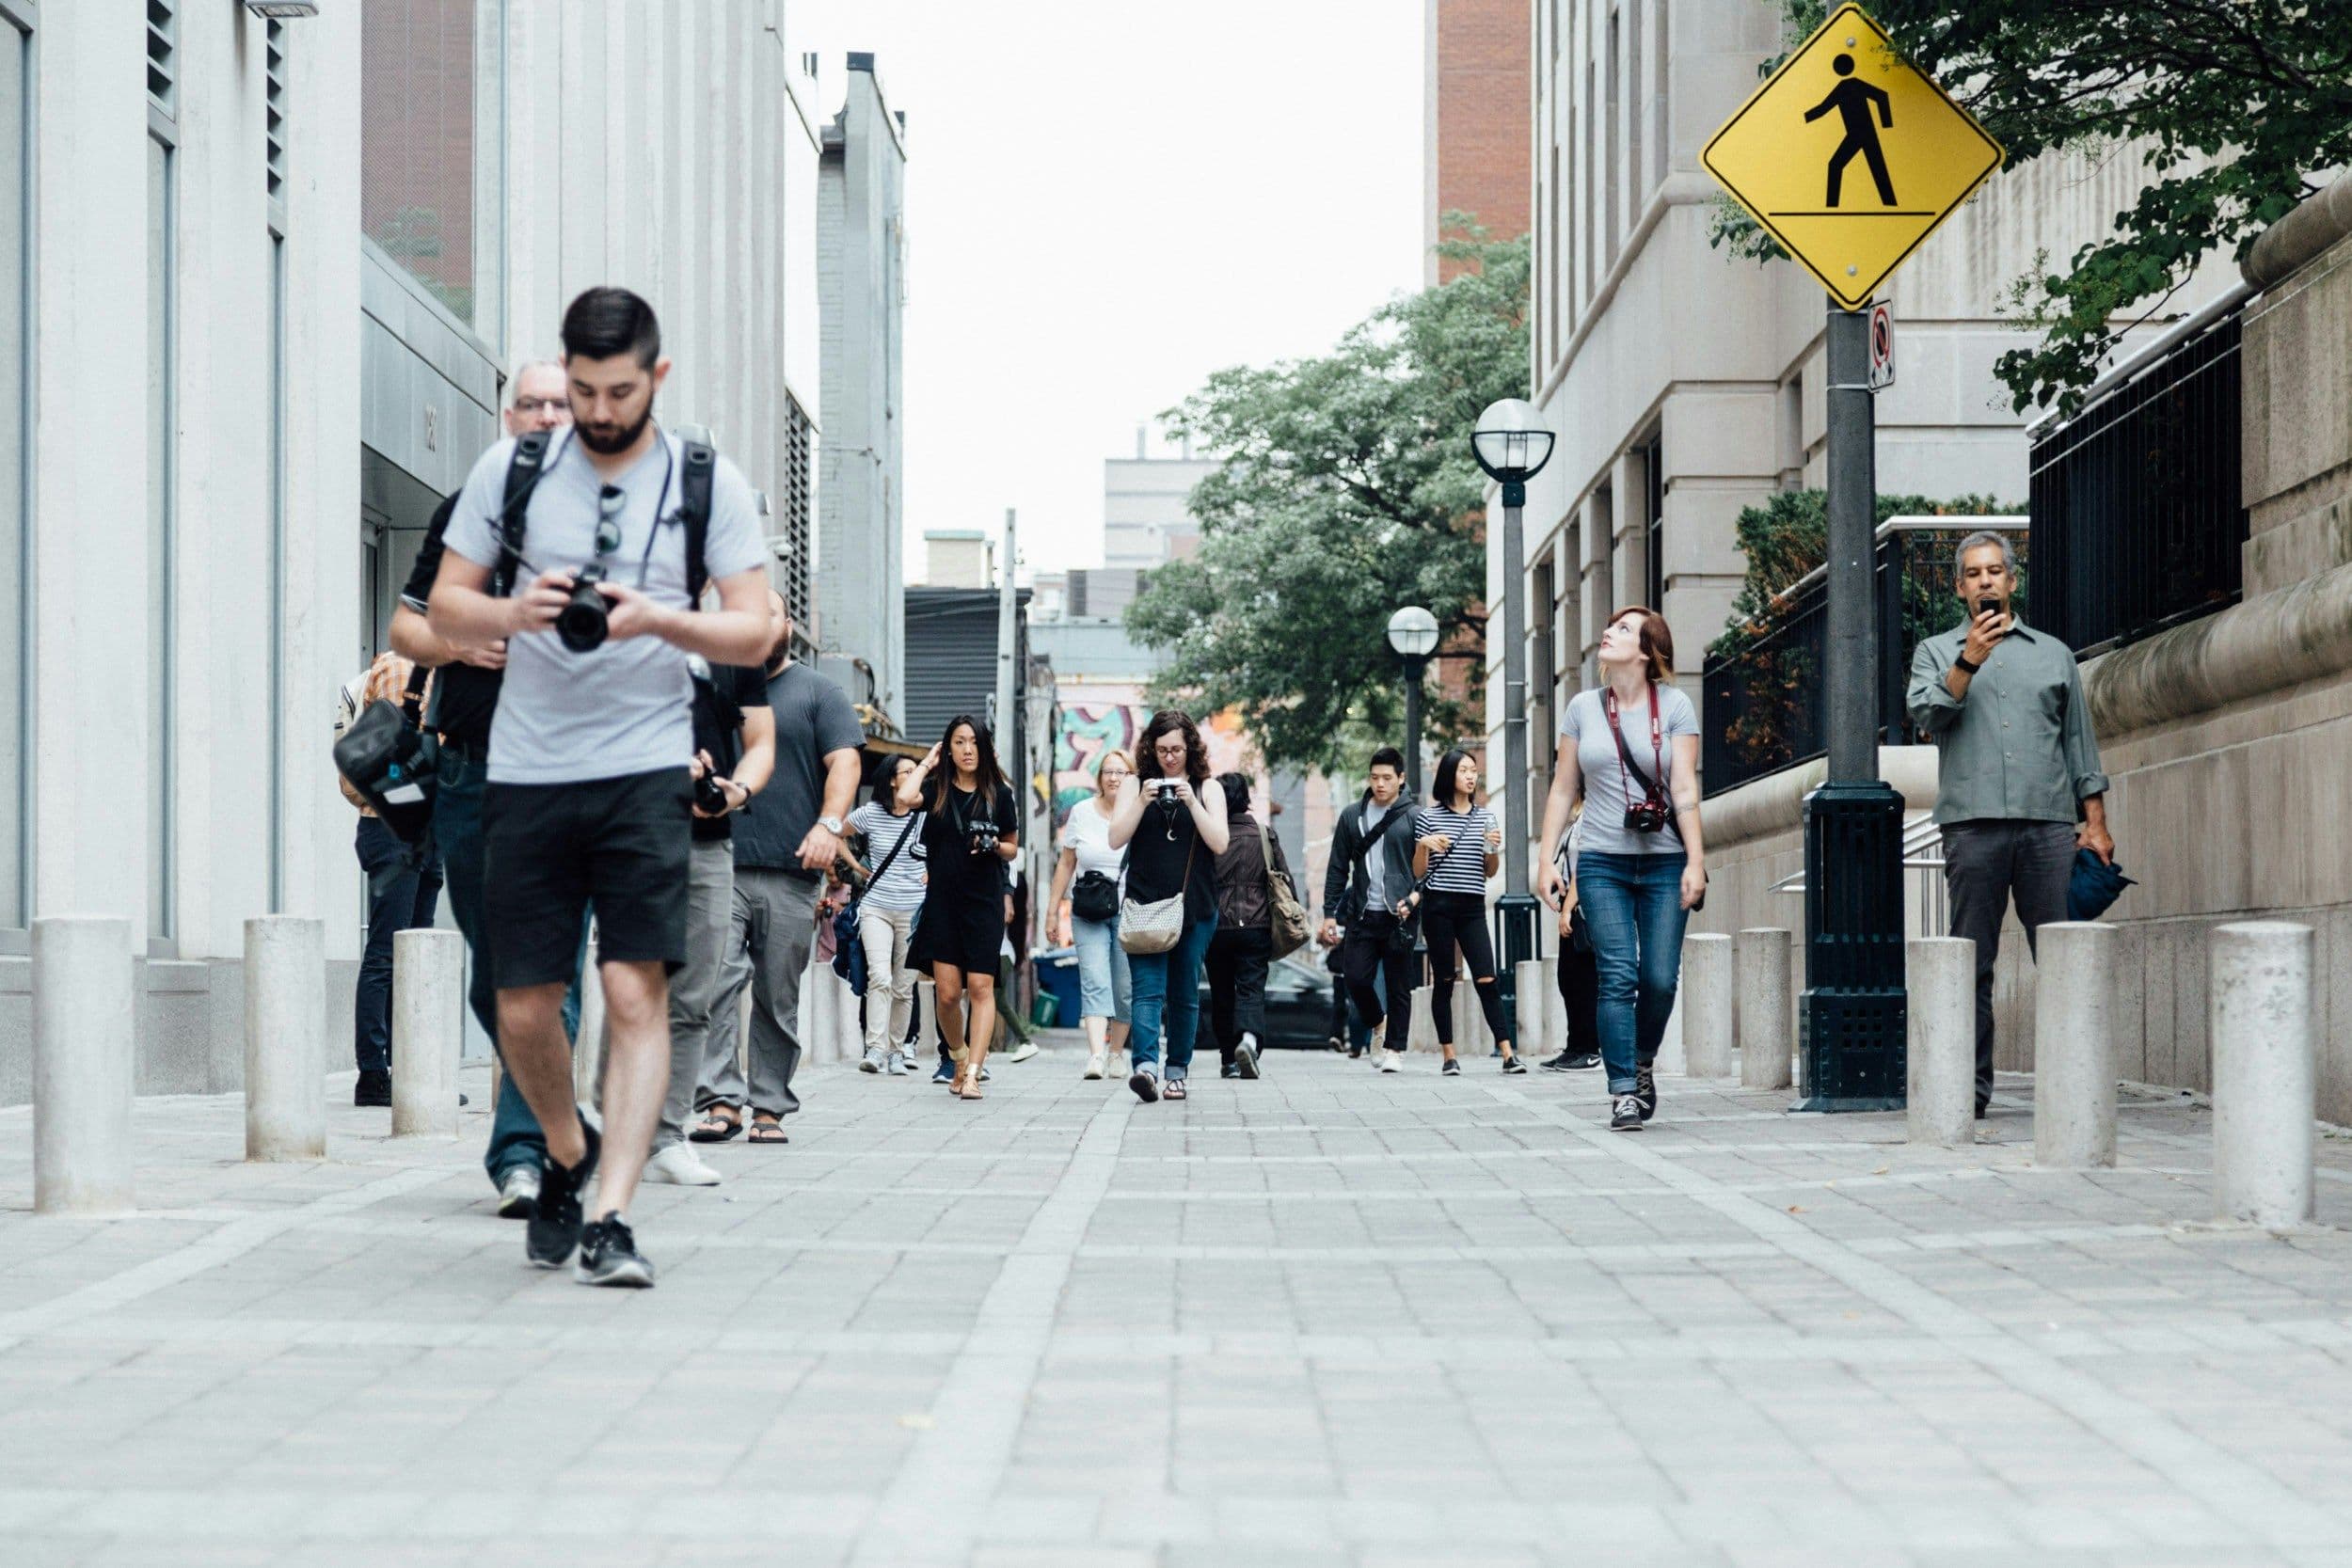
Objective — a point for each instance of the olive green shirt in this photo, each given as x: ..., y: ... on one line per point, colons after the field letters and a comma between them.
x: 2019, y: 747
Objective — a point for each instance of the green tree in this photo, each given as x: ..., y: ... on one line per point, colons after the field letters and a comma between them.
x: 2230, y: 107
x: 1345, y: 489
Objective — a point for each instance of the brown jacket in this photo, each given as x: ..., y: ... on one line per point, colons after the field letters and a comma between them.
x: 1243, y: 903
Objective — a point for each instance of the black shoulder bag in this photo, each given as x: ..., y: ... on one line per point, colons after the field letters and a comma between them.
x: 389, y: 758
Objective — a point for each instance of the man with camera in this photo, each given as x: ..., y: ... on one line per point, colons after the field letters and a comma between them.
x: 2018, y: 789
x: 588, y: 563
x: 1367, y: 887
x: 465, y: 694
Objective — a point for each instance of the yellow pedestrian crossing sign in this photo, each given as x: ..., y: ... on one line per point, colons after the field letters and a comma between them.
x: 1850, y: 156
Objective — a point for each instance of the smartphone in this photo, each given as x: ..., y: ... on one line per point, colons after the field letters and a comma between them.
x: 1988, y: 602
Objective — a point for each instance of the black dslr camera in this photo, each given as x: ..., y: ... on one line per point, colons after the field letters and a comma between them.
x: 582, y: 624
x: 709, y: 797
x: 1647, y: 816
x: 984, y: 838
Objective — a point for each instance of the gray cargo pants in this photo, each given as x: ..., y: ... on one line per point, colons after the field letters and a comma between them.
x: 774, y: 933
x: 694, y: 989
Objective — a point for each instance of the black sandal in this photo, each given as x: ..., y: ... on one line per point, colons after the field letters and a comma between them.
x: 719, y: 1124
x: 768, y: 1131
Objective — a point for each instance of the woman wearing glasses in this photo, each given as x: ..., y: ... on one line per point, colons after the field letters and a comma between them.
x: 971, y: 833
x: 1172, y: 826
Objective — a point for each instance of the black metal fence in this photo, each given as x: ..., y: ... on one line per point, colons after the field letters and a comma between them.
x: 1763, y: 705
x: 2138, y: 521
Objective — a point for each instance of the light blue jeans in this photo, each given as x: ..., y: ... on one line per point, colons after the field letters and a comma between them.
x: 1166, y: 991
x: 1104, y: 981
x: 1634, y: 906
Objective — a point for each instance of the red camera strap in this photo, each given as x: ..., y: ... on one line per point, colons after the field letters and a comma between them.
x: 1657, y: 746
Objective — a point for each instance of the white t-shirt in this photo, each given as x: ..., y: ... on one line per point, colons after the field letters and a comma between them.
x: 1607, y: 782
x: 900, y: 885
x: 1089, y: 832
x: 624, y: 708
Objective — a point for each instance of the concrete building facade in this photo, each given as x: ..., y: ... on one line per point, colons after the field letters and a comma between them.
x: 319, y: 247
x: 861, y: 278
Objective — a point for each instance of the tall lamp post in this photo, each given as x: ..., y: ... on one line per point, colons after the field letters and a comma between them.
x: 1512, y: 443
x: 1413, y: 633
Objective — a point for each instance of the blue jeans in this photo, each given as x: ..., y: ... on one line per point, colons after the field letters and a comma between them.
x: 515, y: 1135
x: 1634, y: 906
x: 1165, y: 989
x: 1105, y: 979
x: 401, y: 901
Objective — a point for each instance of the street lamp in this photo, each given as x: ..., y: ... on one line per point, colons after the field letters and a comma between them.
x: 1512, y: 443
x: 1413, y: 633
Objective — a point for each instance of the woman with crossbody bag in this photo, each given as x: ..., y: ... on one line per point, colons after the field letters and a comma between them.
x: 1630, y: 748
x: 1085, y: 914
x: 887, y: 913
x: 1171, y: 825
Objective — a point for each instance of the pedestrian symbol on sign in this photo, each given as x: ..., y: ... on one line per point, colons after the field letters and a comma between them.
x: 1853, y: 101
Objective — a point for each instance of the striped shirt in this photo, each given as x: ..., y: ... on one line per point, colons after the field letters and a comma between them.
x: 1463, y: 867
x: 900, y: 887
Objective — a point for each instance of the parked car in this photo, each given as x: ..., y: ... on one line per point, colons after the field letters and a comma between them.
x: 1297, y: 1008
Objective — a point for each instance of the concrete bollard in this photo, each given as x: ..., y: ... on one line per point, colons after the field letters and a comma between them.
x: 83, y: 1064
x: 1706, y: 1004
x: 1759, y: 962
x: 428, y: 1031
x: 2265, y: 1070
x: 2073, y: 1045
x: 285, y: 1037
x: 588, y: 1043
x: 1940, y: 1056
x: 1531, y: 982
x: 926, y: 1009
x: 1469, y: 1019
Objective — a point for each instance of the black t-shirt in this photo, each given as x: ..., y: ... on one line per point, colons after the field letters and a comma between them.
x: 955, y: 871
x: 720, y: 697
x: 466, y: 696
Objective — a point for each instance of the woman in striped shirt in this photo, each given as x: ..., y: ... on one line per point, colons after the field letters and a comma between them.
x: 1456, y: 847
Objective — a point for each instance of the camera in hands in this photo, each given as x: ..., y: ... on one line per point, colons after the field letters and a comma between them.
x: 709, y: 797
x: 984, y: 838
x: 582, y: 624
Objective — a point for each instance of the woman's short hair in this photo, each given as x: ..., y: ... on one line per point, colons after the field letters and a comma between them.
x: 1658, y: 640
x: 1105, y: 761
x: 1171, y: 721
x: 1237, y: 791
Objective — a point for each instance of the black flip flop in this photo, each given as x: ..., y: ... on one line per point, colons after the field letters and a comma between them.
x: 766, y: 1132
x: 703, y: 1134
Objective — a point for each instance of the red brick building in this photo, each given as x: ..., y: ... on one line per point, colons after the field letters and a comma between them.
x: 1476, y: 102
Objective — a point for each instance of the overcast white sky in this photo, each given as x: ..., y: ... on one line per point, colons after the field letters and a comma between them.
x: 1108, y: 200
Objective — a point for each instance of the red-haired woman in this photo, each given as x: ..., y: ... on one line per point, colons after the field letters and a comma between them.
x: 1630, y: 748
x: 1172, y: 826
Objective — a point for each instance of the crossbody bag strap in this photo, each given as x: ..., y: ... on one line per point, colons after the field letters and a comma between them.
x: 914, y: 821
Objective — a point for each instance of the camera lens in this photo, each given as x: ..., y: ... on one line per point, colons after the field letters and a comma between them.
x: 582, y: 624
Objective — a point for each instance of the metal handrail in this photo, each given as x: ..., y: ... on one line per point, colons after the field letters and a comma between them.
x: 1923, y: 849
x: 1931, y: 524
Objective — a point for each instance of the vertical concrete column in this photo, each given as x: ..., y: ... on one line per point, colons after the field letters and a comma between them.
x: 428, y: 1031
x: 2264, y: 1073
x: 1421, y: 1024
x: 1532, y: 984
x: 1940, y: 1059
x: 1707, y: 1006
x: 588, y: 1044
x: 285, y: 1037
x: 1759, y: 962
x: 83, y: 1061
x: 2073, y: 1045
x: 1469, y: 1021
x: 926, y: 1009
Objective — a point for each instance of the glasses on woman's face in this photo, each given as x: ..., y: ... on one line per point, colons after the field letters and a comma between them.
x: 611, y: 500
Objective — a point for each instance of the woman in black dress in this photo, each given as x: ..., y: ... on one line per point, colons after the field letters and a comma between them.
x: 971, y: 833
x: 1172, y: 826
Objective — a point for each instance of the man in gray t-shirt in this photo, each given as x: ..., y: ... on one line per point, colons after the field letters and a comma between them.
x: 588, y: 800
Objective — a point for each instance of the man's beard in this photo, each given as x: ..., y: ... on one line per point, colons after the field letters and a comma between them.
x: 608, y: 445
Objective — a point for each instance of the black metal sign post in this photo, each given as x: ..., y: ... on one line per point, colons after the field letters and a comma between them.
x: 1854, y: 1012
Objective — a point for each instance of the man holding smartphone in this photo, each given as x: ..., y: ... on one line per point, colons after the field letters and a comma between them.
x: 2019, y: 790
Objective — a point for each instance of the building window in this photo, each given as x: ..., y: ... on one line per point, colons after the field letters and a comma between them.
x: 162, y: 521
x: 431, y: 162
x: 163, y: 57
x: 793, y: 524
x: 16, y: 648
x: 1654, y: 522
x: 273, y: 113
x: 1543, y: 720
x: 274, y: 158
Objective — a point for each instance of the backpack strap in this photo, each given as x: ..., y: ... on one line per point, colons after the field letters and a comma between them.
x: 702, y: 461
x: 523, y: 472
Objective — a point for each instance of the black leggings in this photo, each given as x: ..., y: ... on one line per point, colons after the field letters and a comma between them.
x: 1450, y: 920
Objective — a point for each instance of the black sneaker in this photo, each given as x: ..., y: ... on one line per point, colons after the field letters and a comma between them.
x: 608, y: 1256
x: 1513, y: 1062
x: 1572, y: 1061
x: 554, y: 1229
x: 1146, y: 1082
x: 1646, y: 1090
x: 1231, y: 1070
x: 1453, y: 1068
x: 1624, y: 1114
x: 1246, y: 1056
x: 373, y: 1088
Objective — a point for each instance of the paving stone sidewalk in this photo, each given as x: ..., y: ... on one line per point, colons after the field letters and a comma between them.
x: 1329, y: 1318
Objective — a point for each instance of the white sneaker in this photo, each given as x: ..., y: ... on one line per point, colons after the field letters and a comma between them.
x: 872, y: 1061
x: 680, y: 1167
x: 519, y: 1194
x: 1023, y: 1052
x: 1096, y: 1064
x: 899, y: 1066
x: 1391, y: 1061
x: 1377, y: 1050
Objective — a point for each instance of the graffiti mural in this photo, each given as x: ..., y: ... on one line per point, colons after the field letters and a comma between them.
x: 1091, y: 721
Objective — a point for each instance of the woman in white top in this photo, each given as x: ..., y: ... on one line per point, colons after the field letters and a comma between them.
x: 891, y: 835
x: 1089, y: 862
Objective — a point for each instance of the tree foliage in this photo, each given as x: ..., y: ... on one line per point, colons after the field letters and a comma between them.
x: 2231, y: 107
x: 1346, y: 490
